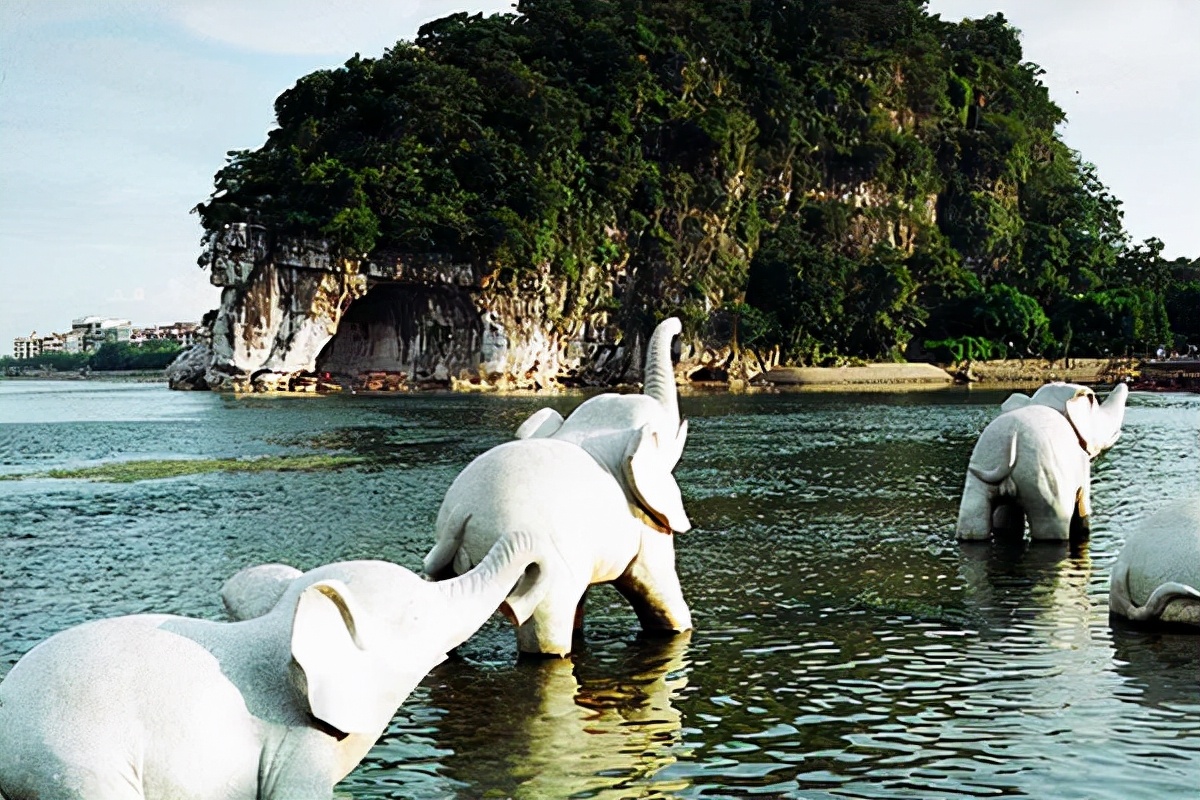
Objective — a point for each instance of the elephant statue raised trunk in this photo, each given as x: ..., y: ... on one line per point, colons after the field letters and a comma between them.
x: 282, y: 703
x: 597, y: 488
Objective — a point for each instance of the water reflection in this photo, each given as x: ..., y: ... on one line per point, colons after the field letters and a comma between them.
x: 846, y: 645
x: 594, y: 725
x: 1040, y: 586
x: 1160, y: 669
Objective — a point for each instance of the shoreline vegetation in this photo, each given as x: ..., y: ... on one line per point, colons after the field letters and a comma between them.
x: 877, y: 376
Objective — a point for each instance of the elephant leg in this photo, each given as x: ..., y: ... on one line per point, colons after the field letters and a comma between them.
x: 1050, y: 518
x: 551, y: 628
x: 975, y: 510
x: 1081, y: 520
x: 1009, y: 519
x: 579, y: 611
x: 650, y: 584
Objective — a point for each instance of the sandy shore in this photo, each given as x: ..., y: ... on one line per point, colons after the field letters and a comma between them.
x: 1013, y: 372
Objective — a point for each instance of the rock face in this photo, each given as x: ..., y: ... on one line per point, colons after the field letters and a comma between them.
x: 289, y: 308
x: 187, y: 371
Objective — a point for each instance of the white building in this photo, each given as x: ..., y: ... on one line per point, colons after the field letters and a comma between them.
x: 95, y: 331
x: 184, y: 333
x: 27, y: 346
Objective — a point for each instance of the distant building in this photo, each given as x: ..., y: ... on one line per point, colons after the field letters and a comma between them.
x: 184, y: 333
x: 54, y: 343
x: 27, y: 346
x: 95, y: 331
x: 88, y: 333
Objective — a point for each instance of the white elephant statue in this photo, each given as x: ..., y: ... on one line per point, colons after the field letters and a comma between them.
x: 597, y: 488
x: 1034, y: 462
x: 1157, y: 572
x: 282, y: 705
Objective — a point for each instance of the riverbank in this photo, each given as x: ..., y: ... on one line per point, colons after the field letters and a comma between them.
x: 1013, y: 372
x: 881, y: 377
x: 128, y: 376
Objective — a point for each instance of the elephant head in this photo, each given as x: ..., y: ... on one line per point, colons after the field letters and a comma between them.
x: 365, y: 633
x: 1157, y: 572
x: 1098, y: 425
x: 638, y: 438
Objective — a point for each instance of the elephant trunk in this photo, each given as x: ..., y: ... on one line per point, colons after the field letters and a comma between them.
x: 1112, y: 411
x: 476, y: 594
x: 659, y: 379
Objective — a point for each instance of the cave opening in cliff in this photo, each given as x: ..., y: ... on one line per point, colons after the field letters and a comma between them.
x: 425, y: 333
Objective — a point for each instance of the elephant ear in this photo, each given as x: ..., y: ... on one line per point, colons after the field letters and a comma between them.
x: 1015, y: 400
x: 1090, y: 426
x: 345, y: 683
x: 540, y: 424
x: 647, y: 465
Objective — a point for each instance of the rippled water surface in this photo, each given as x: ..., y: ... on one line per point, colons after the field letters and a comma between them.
x: 846, y: 646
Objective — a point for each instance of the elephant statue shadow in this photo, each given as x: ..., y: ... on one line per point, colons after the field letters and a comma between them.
x: 1032, y: 464
x: 601, y: 724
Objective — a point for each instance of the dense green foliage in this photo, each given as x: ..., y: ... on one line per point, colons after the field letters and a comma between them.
x: 109, y: 356
x: 834, y: 178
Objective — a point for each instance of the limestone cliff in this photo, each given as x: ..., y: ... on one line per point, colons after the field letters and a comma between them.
x: 289, y: 308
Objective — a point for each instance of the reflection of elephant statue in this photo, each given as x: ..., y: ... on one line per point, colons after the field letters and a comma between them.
x: 598, y: 487
x: 1030, y: 592
x: 1157, y: 667
x: 1156, y: 575
x: 1034, y: 462
x: 282, y: 705
x: 602, y: 724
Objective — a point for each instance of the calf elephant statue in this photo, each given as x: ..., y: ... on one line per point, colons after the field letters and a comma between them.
x: 597, y: 488
x: 281, y: 705
x: 1033, y: 462
x: 1157, y: 572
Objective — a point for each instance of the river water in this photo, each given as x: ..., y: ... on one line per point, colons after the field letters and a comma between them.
x: 846, y: 646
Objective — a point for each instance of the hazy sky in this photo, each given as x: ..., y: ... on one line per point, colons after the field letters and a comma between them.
x: 114, y: 115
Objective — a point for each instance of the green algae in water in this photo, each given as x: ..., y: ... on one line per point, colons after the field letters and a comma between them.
x: 918, y: 610
x: 133, y: 471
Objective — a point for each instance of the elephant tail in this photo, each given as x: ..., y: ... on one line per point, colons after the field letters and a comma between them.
x: 998, y: 473
x: 451, y: 527
x: 1120, y: 602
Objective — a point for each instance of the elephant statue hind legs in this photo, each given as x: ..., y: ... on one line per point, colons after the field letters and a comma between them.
x: 597, y: 489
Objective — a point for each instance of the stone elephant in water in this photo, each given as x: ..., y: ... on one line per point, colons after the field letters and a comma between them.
x: 282, y: 704
x: 1034, y: 462
x: 1156, y: 577
x: 597, y: 488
